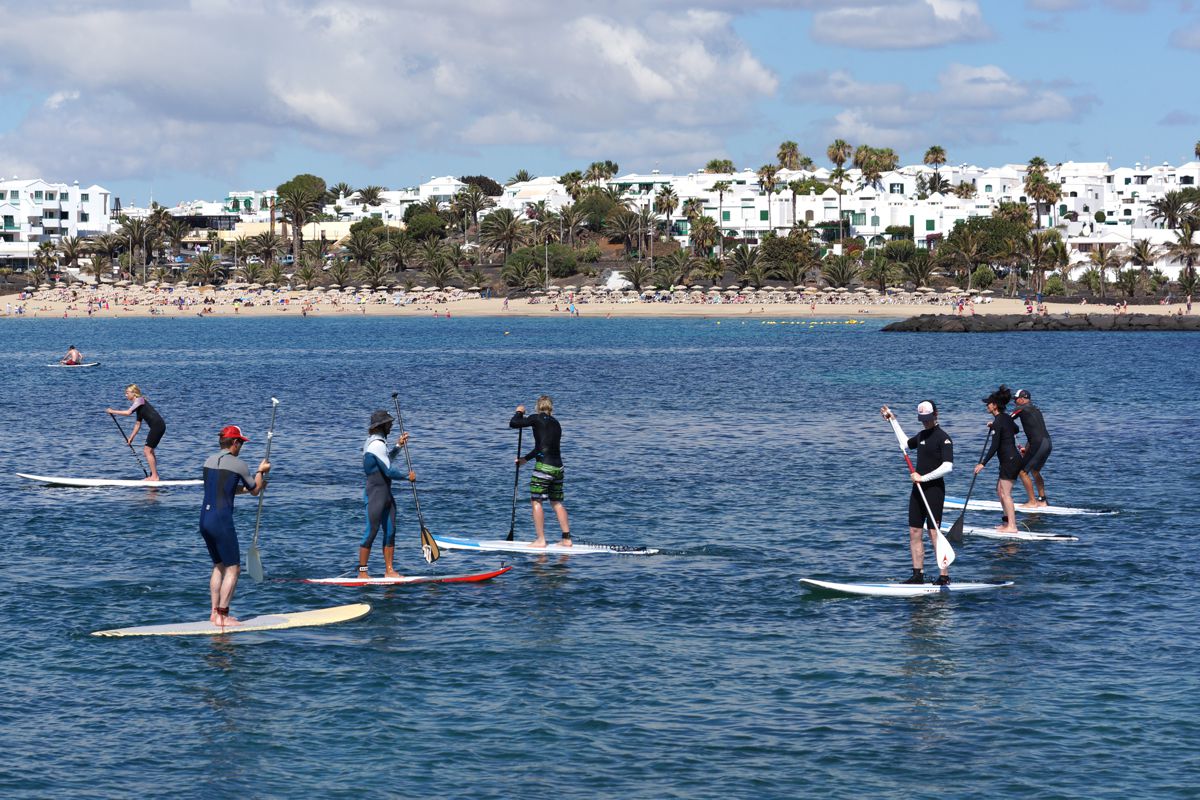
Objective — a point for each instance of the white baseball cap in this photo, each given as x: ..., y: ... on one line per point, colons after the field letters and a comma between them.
x: 926, y: 411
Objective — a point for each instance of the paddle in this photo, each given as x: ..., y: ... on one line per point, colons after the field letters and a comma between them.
x: 512, y: 523
x: 253, y: 558
x: 955, y: 534
x: 942, y: 551
x: 429, y: 545
x: 129, y: 444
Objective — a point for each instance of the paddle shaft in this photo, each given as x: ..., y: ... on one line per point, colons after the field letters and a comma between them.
x: 974, y: 474
x: 939, y: 541
x: 408, y: 461
x: 267, y: 457
x: 129, y: 444
x: 512, y: 523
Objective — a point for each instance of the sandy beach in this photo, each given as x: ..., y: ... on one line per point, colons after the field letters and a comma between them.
x: 109, y: 302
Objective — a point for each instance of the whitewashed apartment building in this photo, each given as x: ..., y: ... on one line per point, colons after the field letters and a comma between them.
x: 33, y: 211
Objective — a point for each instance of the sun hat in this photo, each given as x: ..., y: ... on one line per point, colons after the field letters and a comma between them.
x: 233, y: 432
x: 380, y: 418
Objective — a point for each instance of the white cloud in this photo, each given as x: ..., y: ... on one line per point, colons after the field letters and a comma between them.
x: 901, y: 24
x: 56, y: 100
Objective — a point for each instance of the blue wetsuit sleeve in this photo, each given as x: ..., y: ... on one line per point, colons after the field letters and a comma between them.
x: 392, y: 470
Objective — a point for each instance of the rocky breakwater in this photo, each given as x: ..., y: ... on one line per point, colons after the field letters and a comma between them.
x: 1000, y: 323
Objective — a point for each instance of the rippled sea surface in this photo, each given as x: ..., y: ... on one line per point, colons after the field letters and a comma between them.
x: 752, y: 453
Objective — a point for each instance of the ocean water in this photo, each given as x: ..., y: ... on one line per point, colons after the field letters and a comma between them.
x: 752, y: 453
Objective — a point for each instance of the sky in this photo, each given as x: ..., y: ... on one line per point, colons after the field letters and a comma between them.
x: 173, y: 100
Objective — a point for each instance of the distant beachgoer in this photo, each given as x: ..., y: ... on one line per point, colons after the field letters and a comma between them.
x: 1037, y: 448
x: 935, y: 459
x: 1004, y: 442
x: 546, y: 484
x: 226, y: 475
x: 145, y: 413
x: 381, y: 466
x: 72, y: 357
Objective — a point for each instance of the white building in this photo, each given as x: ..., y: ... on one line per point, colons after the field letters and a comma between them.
x: 33, y: 211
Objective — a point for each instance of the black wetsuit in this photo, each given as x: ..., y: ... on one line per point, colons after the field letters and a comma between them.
x: 1038, y: 448
x: 147, y: 414
x: 1004, y: 442
x: 934, y: 448
x: 547, y: 434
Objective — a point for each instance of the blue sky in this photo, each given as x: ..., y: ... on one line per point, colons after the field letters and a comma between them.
x: 184, y: 100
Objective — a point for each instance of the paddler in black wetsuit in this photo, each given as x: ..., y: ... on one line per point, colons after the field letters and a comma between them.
x: 1037, y: 448
x: 547, y: 480
x: 935, y: 459
x: 148, y: 414
x: 1004, y: 442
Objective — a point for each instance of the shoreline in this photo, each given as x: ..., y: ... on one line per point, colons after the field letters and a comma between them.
x: 150, y: 304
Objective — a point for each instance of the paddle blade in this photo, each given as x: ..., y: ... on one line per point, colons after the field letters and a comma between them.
x: 955, y: 534
x: 254, y: 564
x: 429, y: 547
x: 942, y: 550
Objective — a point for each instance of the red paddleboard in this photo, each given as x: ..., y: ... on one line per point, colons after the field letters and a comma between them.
x: 406, y: 580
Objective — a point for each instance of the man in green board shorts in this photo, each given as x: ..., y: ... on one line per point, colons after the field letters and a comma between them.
x: 547, y: 481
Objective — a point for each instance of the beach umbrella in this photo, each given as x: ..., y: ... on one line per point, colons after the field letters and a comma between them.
x: 151, y: 284
x: 254, y: 286
x: 570, y: 287
x: 271, y: 285
x: 733, y: 288
x: 473, y: 289
x: 829, y: 289
x: 122, y: 283
x: 333, y: 287
x: 697, y: 288
x: 987, y: 291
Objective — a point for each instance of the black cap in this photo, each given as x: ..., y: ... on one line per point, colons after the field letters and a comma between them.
x: 380, y: 418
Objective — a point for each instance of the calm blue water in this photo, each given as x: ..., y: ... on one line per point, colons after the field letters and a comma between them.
x: 754, y: 453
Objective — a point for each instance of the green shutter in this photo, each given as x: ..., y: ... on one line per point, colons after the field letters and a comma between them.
x: 928, y: 224
x: 762, y: 215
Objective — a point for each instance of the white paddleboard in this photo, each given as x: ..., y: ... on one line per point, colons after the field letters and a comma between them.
x: 897, y: 589
x: 504, y: 546
x: 98, y: 482
x: 76, y: 366
x: 994, y: 505
x: 408, y: 580
x: 269, y: 622
x: 1020, y: 536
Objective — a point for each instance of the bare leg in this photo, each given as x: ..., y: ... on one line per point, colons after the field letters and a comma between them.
x: 389, y: 554
x: 539, y: 525
x: 364, y: 554
x: 152, y: 462
x: 214, y: 592
x: 1004, y: 490
x: 1028, y: 484
x: 560, y: 511
x: 228, y: 584
x: 917, y: 545
x: 1041, y: 488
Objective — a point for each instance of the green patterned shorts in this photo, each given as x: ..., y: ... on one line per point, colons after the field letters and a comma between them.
x: 546, y: 483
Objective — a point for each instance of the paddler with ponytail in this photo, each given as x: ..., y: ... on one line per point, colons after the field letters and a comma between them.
x: 1004, y: 442
x: 381, y: 466
x: 935, y: 459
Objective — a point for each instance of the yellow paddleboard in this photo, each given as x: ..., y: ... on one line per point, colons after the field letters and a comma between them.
x: 268, y: 622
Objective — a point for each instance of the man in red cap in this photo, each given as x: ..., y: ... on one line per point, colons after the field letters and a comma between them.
x: 226, y: 475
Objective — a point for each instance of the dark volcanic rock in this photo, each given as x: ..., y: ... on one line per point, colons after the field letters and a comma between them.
x: 999, y: 323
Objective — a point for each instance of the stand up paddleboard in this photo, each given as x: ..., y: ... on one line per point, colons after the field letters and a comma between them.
x: 505, y: 546
x: 896, y: 589
x: 76, y: 366
x: 269, y: 622
x: 408, y: 580
x: 994, y: 505
x: 1020, y: 536
x: 92, y: 483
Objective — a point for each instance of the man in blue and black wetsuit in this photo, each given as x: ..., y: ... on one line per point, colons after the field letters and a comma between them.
x: 226, y: 475
x: 380, y: 467
x: 547, y: 481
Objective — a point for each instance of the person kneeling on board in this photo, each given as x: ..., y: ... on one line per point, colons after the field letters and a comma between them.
x: 1004, y: 442
x: 547, y: 480
x: 226, y: 475
x: 72, y: 358
x: 381, y: 467
x: 935, y: 459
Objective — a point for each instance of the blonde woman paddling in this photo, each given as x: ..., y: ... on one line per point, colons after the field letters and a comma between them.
x: 145, y: 413
x: 547, y: 481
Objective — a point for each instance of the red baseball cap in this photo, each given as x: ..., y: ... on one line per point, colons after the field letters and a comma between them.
x: 233, y: 432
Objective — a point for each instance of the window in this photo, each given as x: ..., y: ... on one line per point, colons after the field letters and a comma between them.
x: 37, y: 196
x: 1062, y: 209
x: 928, y: 224
x: 50, y: 195
x: 83, y: 198
x: 8, y: 221
x: 987, y: 187
x: 1128, y: 181
x: 1128, y: 212
x: 762, y: 216
x: 14, y: 195
x: 1187, y: 180
x: 262, y: 205
x: 724, y: 216
x: 858, y: 218
x: 895, y: 188
x: 246, y: 204
x: 83, y: 216
x: 65, y: 215
x: 874, y: 221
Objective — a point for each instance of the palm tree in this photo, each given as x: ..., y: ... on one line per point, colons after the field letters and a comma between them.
x: 1185, y: 251
x: 1142, y: 254
x: 469, y: 204
x: 838, y: 153
x: 204, y: 269
x: 71, y: 249
x: 919, y: 268
x: 693, y: 207
x: 665, y: 203
x: 704, y: 234
x: 362, y: 247
x: 252, y: 272
x: 964, y: 253
x: 935, y: 156
x: 398, y: 252
x: 711, y: 269
x: 639, y: 274
x: 1041, y: 252
x: 339, y: 191
x: 647, y: 225
x: 371, y: 196
x: 306, y: 276
x: 1039, y: 188
x: 240, y: 247
x: 267, y: 246
x: 742, y: 259
x: 675, y: 268
x: 721, y: 187
x: 880, y: 269
x: 840, y: 270
x: 795, y: 187
x: 136, y: 231
x: 299, y: 202
x: 965, y: 190
x: 374, y: 273
x: 1104, y: 258
x: 766, y: 179
x: 521, y: 177
x: 623, y: 225
x: 573, y: 182
x: 440, y: 273
x: 1172, y: 209
x: 503, y: 230
x: 720, y: 166
x: 788, y: 155
x: 572, y: 219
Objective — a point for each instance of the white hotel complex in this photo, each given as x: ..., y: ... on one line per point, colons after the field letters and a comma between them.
x: 1099, y: 204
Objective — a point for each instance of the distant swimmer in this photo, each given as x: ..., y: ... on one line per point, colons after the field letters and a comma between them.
x: 935, y: 459
x: 1004, y: 442
x: 226, y: 475
x: 1037, y: 448
x: 381, y: 467
x: 72, y: 358
x: 145, y: 413
x: 546, y: 484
